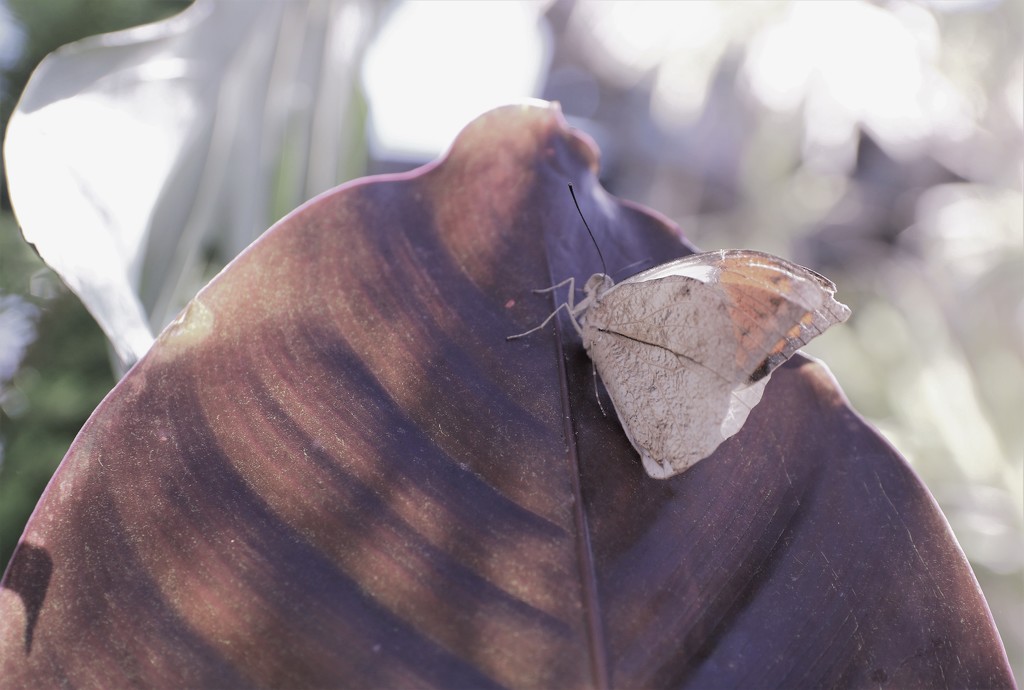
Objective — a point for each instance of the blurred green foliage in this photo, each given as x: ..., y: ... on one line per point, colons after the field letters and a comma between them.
x: 65, y: 373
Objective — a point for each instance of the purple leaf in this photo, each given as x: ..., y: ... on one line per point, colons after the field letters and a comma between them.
x: 334, y: 470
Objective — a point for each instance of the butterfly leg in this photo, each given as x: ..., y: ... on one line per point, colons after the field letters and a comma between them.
x: 545, y: 322
x: 570, y: 281
x: 597, y: 393
x: 569, y: 305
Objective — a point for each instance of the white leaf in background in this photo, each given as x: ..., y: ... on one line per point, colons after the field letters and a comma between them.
x: 135, y: 155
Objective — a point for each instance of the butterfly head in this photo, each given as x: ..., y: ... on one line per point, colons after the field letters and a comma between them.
x: 597, y: 285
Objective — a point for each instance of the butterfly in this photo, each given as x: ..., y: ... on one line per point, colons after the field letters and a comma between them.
x: 685, y: 349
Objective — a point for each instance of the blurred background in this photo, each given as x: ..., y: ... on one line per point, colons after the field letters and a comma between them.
x: 881, y: 143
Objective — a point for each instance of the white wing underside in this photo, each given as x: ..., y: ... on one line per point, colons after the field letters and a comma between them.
x: 675, y: 408
x: 677, y: 365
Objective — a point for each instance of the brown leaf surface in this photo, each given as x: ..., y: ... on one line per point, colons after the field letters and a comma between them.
x: 335, y: 471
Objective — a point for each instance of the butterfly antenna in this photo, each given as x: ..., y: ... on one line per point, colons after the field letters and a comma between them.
x: 604, y: 268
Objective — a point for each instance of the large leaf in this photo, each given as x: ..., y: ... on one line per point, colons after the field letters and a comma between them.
x: 334, y: 470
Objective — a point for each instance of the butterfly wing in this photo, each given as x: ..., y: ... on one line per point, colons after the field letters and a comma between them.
x: 776, y: 307
x: 685, y: 349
